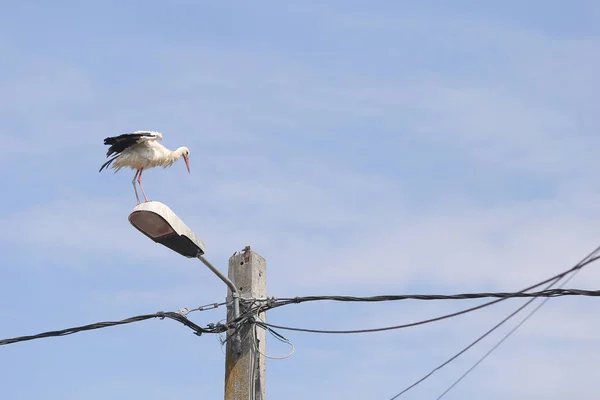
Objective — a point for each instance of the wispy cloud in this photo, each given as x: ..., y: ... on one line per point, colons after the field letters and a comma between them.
x: 359, y: 150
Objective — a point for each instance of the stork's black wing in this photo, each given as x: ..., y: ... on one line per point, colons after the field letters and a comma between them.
x: 119, y: 143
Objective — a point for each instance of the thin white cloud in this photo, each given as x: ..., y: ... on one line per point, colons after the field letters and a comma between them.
x: 256, y: 121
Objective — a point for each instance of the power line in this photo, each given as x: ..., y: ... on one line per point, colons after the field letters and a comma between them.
x: 212, y: 328
x: 427, y: 321
x: 464, y: 350
x: 552, y: 281
x: 506, y: 336
x: 496, y: 345
x: 271, y: 303
x: 283, y: 301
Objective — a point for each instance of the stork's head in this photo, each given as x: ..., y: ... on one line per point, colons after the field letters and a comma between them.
x: 185, y: 153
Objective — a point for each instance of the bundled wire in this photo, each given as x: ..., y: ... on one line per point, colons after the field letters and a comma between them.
x: 284, y: 301
x: 212, y: 328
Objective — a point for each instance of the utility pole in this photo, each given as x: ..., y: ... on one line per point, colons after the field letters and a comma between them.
x: 245, y: 367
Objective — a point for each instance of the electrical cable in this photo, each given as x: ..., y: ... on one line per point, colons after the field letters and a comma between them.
x: 506, y: 336
x: 427, y: 321
x: 252, y: 370
x: 464, y: 350
x: 251, y: 316
x: 277, y: 336
x: 255, y: 363
x: 98, y: 325
x: 552, y: 281
x: 282, y: 301
x: 220, y: 338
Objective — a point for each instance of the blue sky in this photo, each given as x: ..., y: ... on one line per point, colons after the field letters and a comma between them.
x: 362, y: 148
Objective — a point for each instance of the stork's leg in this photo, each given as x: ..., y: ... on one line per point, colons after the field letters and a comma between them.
x: 142, y: 186
x: 134, y: 188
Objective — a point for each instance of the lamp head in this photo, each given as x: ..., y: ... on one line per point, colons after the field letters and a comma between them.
x: 159, y: 223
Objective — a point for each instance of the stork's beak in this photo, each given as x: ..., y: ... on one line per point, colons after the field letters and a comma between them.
x: 187, y: 162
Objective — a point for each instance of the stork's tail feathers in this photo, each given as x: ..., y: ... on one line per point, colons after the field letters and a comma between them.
x: 106, y: 164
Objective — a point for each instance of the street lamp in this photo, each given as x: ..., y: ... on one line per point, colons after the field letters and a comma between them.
x: 157, y: 221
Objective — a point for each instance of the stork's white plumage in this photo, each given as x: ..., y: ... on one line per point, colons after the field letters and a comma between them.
x: 140, y: 150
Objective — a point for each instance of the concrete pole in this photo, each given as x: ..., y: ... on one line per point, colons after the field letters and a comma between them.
x: 244, y: 367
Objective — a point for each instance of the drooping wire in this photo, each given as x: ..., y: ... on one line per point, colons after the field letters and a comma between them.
x: 277, y: 336
x: 98, y: 325
x: 427, y: 321
x: 255, y: 365
x: 221, y: 339
x: 254, y: 354
x: 590, y: 258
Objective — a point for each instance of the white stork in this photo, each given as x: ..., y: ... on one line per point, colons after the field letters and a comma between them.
x: 140, y: 150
